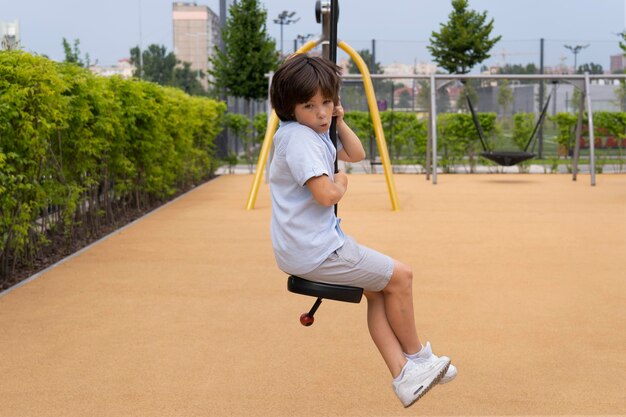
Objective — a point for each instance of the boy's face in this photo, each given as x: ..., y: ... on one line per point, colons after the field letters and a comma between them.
x: 316, y: 113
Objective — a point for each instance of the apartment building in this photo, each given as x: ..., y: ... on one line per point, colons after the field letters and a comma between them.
x: 196, y: 31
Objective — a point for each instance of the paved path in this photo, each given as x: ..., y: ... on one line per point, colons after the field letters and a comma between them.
x: 520, y: 279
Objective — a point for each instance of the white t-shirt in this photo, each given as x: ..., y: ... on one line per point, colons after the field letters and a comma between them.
x: 303, y: 231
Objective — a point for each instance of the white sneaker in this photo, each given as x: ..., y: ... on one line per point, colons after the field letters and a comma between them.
x: 417, y: 377
x: 427, y: 353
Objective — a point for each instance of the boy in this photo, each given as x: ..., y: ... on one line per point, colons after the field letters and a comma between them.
x: 306, y: 236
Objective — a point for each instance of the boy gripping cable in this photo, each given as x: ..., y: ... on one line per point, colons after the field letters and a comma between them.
x: 306, y: 236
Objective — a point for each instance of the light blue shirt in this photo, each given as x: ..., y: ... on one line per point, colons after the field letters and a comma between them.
x: 303, y: 231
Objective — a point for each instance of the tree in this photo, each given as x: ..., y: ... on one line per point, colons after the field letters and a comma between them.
x: 249, y: 52
x: 373, y: 67
x: 530, y: 68
x: 591, y: 68
x: 188, y: 80
x: 423, y: 97
x: 405, y: 99
x: 72, y: 54
x: 505, y: 97
x: 464, y: 41
x: 519, y: 69
x: 162, y: 67
x: 158, y: 65
x: 239, y: 126
x: 381, y: 86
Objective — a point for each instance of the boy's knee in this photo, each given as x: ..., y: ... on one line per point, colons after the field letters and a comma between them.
x: 405, y: 271
x: 402, y: 278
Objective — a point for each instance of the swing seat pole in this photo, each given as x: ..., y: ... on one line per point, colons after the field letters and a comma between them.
x: 307, y: 319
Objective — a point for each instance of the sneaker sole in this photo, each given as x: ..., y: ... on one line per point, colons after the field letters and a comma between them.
x: 434, y: 382
x: 446, y: 380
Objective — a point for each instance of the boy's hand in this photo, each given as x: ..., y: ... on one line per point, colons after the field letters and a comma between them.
x: 338, y: 112
x: 341, y: 179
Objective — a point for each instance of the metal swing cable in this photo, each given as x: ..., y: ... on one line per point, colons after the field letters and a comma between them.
x: 542, y: 117
x: 481, y: 133
x: 479, y: 128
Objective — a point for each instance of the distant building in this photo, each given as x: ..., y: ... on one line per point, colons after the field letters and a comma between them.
x: 10, y: 35
x: 618, y: 63
x: 422, y: 68
x: 123, y: 68
x: 196, y: 31
x: 397, y: 68
x: 525, y: 98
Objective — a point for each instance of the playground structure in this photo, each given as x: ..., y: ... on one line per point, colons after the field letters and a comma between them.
x: 581, y: 82
x: 437, y: 81
x: 507, y: 158
x: 323, y: 13
x: 328, y: 14
x: 121, y: 329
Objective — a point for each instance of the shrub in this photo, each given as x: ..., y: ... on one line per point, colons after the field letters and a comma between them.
x: 76, y: 148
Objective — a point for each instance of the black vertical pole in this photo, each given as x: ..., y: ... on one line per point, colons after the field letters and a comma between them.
x: 373, y: 63
x: 541, y: 97
x: 372, y: 68
x: 332, y: 56
x: 393, y: 93
x: 222, y: 138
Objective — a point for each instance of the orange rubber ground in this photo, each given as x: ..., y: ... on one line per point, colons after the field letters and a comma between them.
x: 520, y: 279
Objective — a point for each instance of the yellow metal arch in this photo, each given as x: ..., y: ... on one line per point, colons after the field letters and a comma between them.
x: 272, y: 124
x: 378, y: 126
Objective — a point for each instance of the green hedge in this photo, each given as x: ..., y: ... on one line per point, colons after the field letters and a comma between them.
x: 458, y: 140
x: 458, y: 137
x: 77, y: 150
x: 609, y: 129
x: 405, y: 135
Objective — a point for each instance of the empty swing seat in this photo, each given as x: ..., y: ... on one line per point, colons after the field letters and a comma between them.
x: 507, y: 158
x: 320, y: 291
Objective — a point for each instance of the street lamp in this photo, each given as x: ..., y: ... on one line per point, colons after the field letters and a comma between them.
x: 284, y: 18
x: 301, y: 39
x: 575, y: 50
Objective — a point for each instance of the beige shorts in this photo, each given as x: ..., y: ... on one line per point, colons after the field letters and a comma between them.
x: 354, y: 265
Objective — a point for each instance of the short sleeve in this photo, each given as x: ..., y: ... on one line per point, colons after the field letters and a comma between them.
x: 305, y: 157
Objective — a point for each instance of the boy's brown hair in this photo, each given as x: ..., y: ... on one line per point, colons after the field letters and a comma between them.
x: 298, y: 79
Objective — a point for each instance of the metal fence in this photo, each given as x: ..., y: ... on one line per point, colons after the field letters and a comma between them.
x: 526, y: 94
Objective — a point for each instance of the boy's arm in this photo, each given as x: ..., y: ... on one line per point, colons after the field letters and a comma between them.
x: 325, y: 191
x: 352, y: 148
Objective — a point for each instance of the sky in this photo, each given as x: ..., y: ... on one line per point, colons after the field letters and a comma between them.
x: 402, y: 28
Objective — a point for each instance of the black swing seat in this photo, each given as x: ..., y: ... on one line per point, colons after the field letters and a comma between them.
x: 320, y: 290
x: 507, y: 158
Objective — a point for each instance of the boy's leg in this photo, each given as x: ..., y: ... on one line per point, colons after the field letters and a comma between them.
x: 383, y: 336
x: 412, y: 379
x: 398, y: 295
